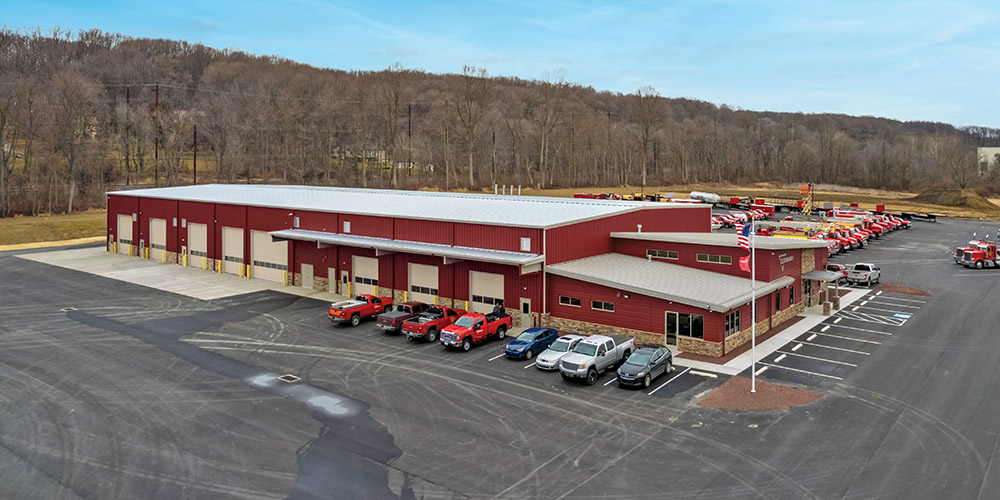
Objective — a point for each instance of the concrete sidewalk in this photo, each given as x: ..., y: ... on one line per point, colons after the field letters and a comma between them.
x: 812, y: 317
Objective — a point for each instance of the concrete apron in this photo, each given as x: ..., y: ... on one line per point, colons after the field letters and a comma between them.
x: 812, y: 317
x: 169, y: 277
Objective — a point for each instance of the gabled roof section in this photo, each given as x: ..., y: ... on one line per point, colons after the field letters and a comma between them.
x: 416, y: 247
x: 475, y: 208
x: 725, y: 240
x: 685, y: 285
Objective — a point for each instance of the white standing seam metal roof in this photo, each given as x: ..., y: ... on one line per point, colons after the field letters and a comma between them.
x: 475, y: 208
x: 819, y: 275
x: 456, y: 252
x: 694, y: 287
x: 725, y: 240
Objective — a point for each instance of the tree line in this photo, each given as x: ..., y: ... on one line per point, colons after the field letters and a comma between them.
x: 82, y: 113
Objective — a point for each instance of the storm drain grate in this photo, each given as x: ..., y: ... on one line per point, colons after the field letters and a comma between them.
x: 289, y: 378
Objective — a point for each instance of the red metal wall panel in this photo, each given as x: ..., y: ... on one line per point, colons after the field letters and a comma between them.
x: 317, y: 221
x: 821, y: 258
x: 401, y: 273
x: 122, y: 205
x: 231, y: 216
x: 153, y: 208
x: 770, y: 264
x: 366, y: 225
x: 586, y: 239
x: 515, y: 285
x: 638, y: 312
x: 496, y: 237
x: 201, y: 213
x: 427, y: 231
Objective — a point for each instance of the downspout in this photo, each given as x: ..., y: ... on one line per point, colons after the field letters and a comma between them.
x: 545, y: 299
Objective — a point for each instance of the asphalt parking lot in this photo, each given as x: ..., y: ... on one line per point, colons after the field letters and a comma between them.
x: 114, y: 390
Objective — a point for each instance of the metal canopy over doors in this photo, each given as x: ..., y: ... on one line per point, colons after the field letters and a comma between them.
x: 365, y: 275
x: 125, y: 234
x: 269, y: 259
x: 485, y: 289
x: 197, y: 244
x: 423, y: 283
x: 157, y: 239
x: 232, y: 250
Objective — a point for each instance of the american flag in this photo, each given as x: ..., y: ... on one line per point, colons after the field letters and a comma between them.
x: 743, y: 230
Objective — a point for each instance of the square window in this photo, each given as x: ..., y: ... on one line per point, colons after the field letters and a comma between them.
x: 295, y: 222
x: 347, y: 226
x: 525, y: 244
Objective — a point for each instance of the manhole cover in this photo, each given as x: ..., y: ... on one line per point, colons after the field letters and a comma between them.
x: 289, y: 378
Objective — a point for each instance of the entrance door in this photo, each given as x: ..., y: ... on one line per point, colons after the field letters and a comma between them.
x: 423, y: 281
x: 307, y: 275
x: 158, y: 239
x: 486, y: 290
x: 345, y: 284
x: 807, y: 292
x: 269, y: 258
x: 198, y: 241
x: 125, y: 234
x: 365, y: 275
x: 670, y: 329
x: 331, y: 280
x: 527, y: 320
x: 232, y: 250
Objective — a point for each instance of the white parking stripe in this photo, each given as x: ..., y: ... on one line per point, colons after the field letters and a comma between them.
x: 820, y: 359
x: 863, y: 330
x: 837, y: 320
x: 761, y: 370
x: 894, y: 305
x: 609, y: 382
x: 529, y: 366
x: 495, y: 357
x: 835, y: 348
x: 878, y: 292
x: 872, y: 318
x: 825, y: 328
x: 814, y: 335
x: 800, y: 371
x: 885, y: 310
x: 779, y: 358
x: 850, y: 338
x: 669, y: 381
x: 904, y: 300
x: 856, y: 308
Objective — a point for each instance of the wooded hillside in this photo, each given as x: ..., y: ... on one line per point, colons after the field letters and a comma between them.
x: 81, y: 113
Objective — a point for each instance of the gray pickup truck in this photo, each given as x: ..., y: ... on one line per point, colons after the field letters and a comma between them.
x: 864, y: 273
x: 595, y: 355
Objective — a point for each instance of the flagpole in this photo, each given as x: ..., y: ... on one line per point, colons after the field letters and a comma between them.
x: 753, y: 308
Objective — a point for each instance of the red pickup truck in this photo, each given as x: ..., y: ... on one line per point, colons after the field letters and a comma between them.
x: 358, y: 308
x: 429, y: 323
x: 474, y: 328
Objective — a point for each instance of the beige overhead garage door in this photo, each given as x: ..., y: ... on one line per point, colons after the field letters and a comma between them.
x: 365, y: 275
x: 486, y: 290
x: 157, y: 239
x: 423, y: 281
x: 197, y: 245
x: 232, y: 250
x: 125, y: 234
x: 270, y: 259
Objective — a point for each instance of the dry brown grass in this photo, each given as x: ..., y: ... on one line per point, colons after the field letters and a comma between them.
x: 49, y: 228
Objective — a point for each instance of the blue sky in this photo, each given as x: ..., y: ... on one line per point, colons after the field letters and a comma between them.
x: 933, y: 61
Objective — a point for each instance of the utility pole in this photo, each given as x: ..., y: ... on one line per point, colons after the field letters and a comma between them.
x: 128, y: 120
x: 409, y: 136
x: 156, y: 138
x: 196, y: 153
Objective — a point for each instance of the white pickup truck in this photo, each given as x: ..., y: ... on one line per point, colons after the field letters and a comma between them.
x: 595, y: 355
x: 864, y: 273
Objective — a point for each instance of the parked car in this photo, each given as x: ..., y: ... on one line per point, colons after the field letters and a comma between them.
x: 531, y: 342
x: 595, y: 355
x: 358, y: 308
x: 392, y: 320
x: 644, y: 365
x: 838, y: 268
x: 430, y: 322
x: 548, y: 360
x: 864, y: 273
x: 474, y: 328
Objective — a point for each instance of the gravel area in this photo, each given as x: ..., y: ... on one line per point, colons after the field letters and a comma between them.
x: 904, y: 289
x: 735, y: 395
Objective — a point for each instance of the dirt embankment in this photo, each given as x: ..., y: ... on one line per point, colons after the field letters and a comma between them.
x: 959, y: 198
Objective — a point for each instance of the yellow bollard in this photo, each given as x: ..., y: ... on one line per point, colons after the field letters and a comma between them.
x: 466, y: 305
x: 116, y: 247
x: 404, y: 295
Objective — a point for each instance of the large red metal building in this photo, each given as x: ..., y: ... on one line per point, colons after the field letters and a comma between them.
x: 651, y: 270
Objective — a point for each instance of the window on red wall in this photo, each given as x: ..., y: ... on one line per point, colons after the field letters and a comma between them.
x: 791, y: 296
x: 777, y: 301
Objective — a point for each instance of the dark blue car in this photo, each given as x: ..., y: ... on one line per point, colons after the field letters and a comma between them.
x: 531, y: 342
